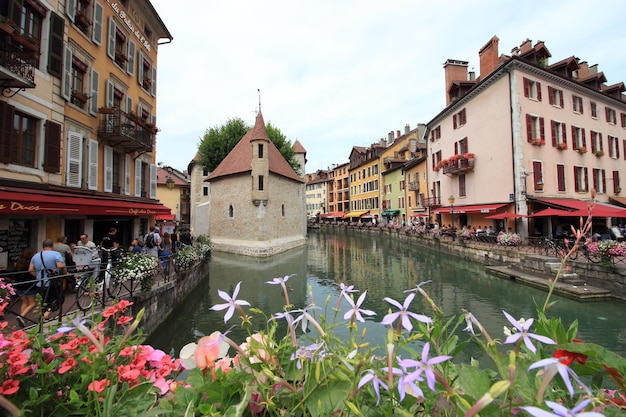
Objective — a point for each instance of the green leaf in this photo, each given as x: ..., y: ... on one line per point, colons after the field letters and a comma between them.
x: 473, y: 381
x: 240, y: 408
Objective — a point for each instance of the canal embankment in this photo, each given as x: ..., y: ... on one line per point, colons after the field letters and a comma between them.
x: 578, y: 279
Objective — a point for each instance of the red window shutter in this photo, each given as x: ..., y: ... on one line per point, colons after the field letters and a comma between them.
x: 560, y: 174
x: 624, y: 143
x: 538, y: 91
x: 595, y: 179
x: 584, y: 138
x: 573, y: 138
x: 537, y: 174
x: 576, y: 179
x: 454, y: 121
x: 615, y: 181
x: 606, y: 113
x: 600, y: 140
x: 52, y: 157
x: 550, y: 95
x: 463, y: 117
x: 529, y: 128
x: 616, y: 147
x: 526, y: 88
x: 582, y: 111
x: 561, y: 98
x: 604, y: 180
x: 7, y: 113
x: 433, y: 157
x: 593, y: 143
x: 456, y: 148
x: 564, y: 130
x: 541, y: 129
x: 553, y: 130
x: 586, y: 179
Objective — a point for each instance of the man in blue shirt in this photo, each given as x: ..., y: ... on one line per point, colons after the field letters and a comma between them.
x: 42, y: 264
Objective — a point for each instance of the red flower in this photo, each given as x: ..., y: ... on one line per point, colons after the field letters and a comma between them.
x: 566, y: 357
x: 9, y: 387
x: 123, y: 320
x: 68, y: 365
x: 98, y: 386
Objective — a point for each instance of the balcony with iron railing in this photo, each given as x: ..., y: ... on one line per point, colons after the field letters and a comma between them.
x: 126, y: 130
x: 17, y: 64
x: 431, y: 202
x: 414, y: 186
x: 457, y: 165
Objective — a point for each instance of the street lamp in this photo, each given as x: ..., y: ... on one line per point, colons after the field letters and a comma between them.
x: 451, y: 201
x: 170, y: 183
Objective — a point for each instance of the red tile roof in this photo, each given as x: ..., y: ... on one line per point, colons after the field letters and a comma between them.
x: 239, y: 160
x: 298, y: 148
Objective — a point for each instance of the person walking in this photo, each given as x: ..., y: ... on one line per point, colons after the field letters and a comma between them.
x: 44, y: 266
x: 165, y: 250
x: 151, y: 242
x: 25, y: 285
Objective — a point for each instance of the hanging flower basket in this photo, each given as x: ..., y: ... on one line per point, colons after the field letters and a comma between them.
x: 538, y: 142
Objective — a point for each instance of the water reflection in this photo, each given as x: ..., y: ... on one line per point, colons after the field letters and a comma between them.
x: 384, y: 267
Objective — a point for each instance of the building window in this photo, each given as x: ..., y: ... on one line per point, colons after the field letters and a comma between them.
x: 29, y: 23
x: 594, y: 109
x: 555, y: 97
x: 435, y: 133
x: 260, y: 182
x: 559, y: 138
x: 146, y: 81
x: 436, y: 159
x: 599, y: 180
x: 616, y: 185
x: 205, y: 172
x: 537, y: 176
x: 622, y: 117
x: 579, y: 142
x: 611, y: 116
x: 613, y: 147
x: 282, y: 210
x: 462, y: 188
x: 461, y: 147
x: 596, y: 143
x: 581, y: 179
x: 231, y: 211
x: 82, y: 15
x: 24, y: 141
x: 205, y: 191
x: 260, y: 150
x: 79, y: 94
x: 560, y: 177
x: 459, y: 119
x: 535, y: 129
x: 532, y: 89
x: 577, y: 103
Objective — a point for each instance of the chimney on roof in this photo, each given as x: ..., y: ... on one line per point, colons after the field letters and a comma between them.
x: 488, y: 57
x: 398, y: 134
x: 383, y: 142
x: 454, y: 70
x: 407, y: 129
x: 472, y: 76
x: 526, y: 46
x: 593, y: 70
x: 583, y: 69
x: 390, y: 137
x: 515, y: 51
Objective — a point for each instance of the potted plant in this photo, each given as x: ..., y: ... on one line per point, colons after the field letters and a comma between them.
x: 120, y: 58
x: 7, y: 25
x: 80, y: 96
x: 618, y: 189
x: 27, y: 42
x: 581, y: 149
x: 82, y: 20
x: 538, y: 142
x: 106, y: 110
x: 599, y: 152
x: 561, y: 146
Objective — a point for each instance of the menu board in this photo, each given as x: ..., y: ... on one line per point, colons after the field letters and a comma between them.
x: 17, y: 238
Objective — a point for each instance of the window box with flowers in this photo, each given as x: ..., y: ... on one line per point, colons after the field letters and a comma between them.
x: 120, y: 58
x: 106, y: 110
x: 83, y: 21
x: 538, y: 142
x: 147, y: 83
x: 581, y: 150
x: 139, y: 267
x: 80, y: 97
x: 599, y: 152
x: 7, y: 25
x: 561, y: 146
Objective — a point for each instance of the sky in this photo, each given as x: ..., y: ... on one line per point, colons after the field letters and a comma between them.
x: 334, y: 74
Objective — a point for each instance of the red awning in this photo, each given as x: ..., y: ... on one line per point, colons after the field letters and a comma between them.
x: 549, y: 212
x: 331, y: 215
x: 476, y: 208
x: 41, y: 202
x: 580, y: 207
x: 161, y: 217
x: 502, y: 216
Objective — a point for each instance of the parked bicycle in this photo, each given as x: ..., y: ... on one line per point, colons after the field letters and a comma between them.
x: 92, y: 283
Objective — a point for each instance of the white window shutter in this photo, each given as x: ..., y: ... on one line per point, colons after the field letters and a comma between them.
x: 93, y: 102
x: 130, y: 64
x: 111, y: 38
x: 74, y: 159
x: 138, y: 166
x: 129, y: 104
x: 153, y: 89
x: 67, y: 74
x: 110, y: 93
x: 98, y: 16
x: 92, y: 180
x: 127, y: 174
x: 140, y: 74
x: 70, y: 9
x: 139, y: 109
x: 108, y: 169
x: 153, y: 180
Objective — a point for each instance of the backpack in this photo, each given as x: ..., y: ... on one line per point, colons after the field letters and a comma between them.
x: 150, y: 243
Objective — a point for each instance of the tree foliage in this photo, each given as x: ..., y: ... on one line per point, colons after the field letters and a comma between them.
x: 218, y: 141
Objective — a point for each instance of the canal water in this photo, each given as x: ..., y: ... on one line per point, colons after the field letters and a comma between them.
x: 385, y: 267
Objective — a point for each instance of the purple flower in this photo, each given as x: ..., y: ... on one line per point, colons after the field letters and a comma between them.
x: 279, y: 281
x: 404, y: 382
x: 356, y: 310
x: 425, y: 366
x: 306, y: 352
x: 231, y: 303
x: 553, y: 365
x: 346, y: 288
x: 404, y: 314
x: 371, y: 376
x: 523, y: 333
x: 560, y: 411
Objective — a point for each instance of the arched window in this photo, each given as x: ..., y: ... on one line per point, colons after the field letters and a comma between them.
x: 231, y: 211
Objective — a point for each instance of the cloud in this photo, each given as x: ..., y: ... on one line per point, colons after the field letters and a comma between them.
x: 338, y: 74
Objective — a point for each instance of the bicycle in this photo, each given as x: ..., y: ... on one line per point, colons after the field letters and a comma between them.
x: 556, y: 248
x: 92, y: 284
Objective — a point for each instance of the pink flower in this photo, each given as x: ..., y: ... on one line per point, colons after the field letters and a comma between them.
x: 98, y: 386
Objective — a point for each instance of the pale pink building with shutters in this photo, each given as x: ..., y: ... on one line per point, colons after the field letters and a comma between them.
x: 526, y: 135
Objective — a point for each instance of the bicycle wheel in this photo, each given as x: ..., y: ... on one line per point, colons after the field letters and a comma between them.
x: 115, y: 287
x: 86, y: 292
